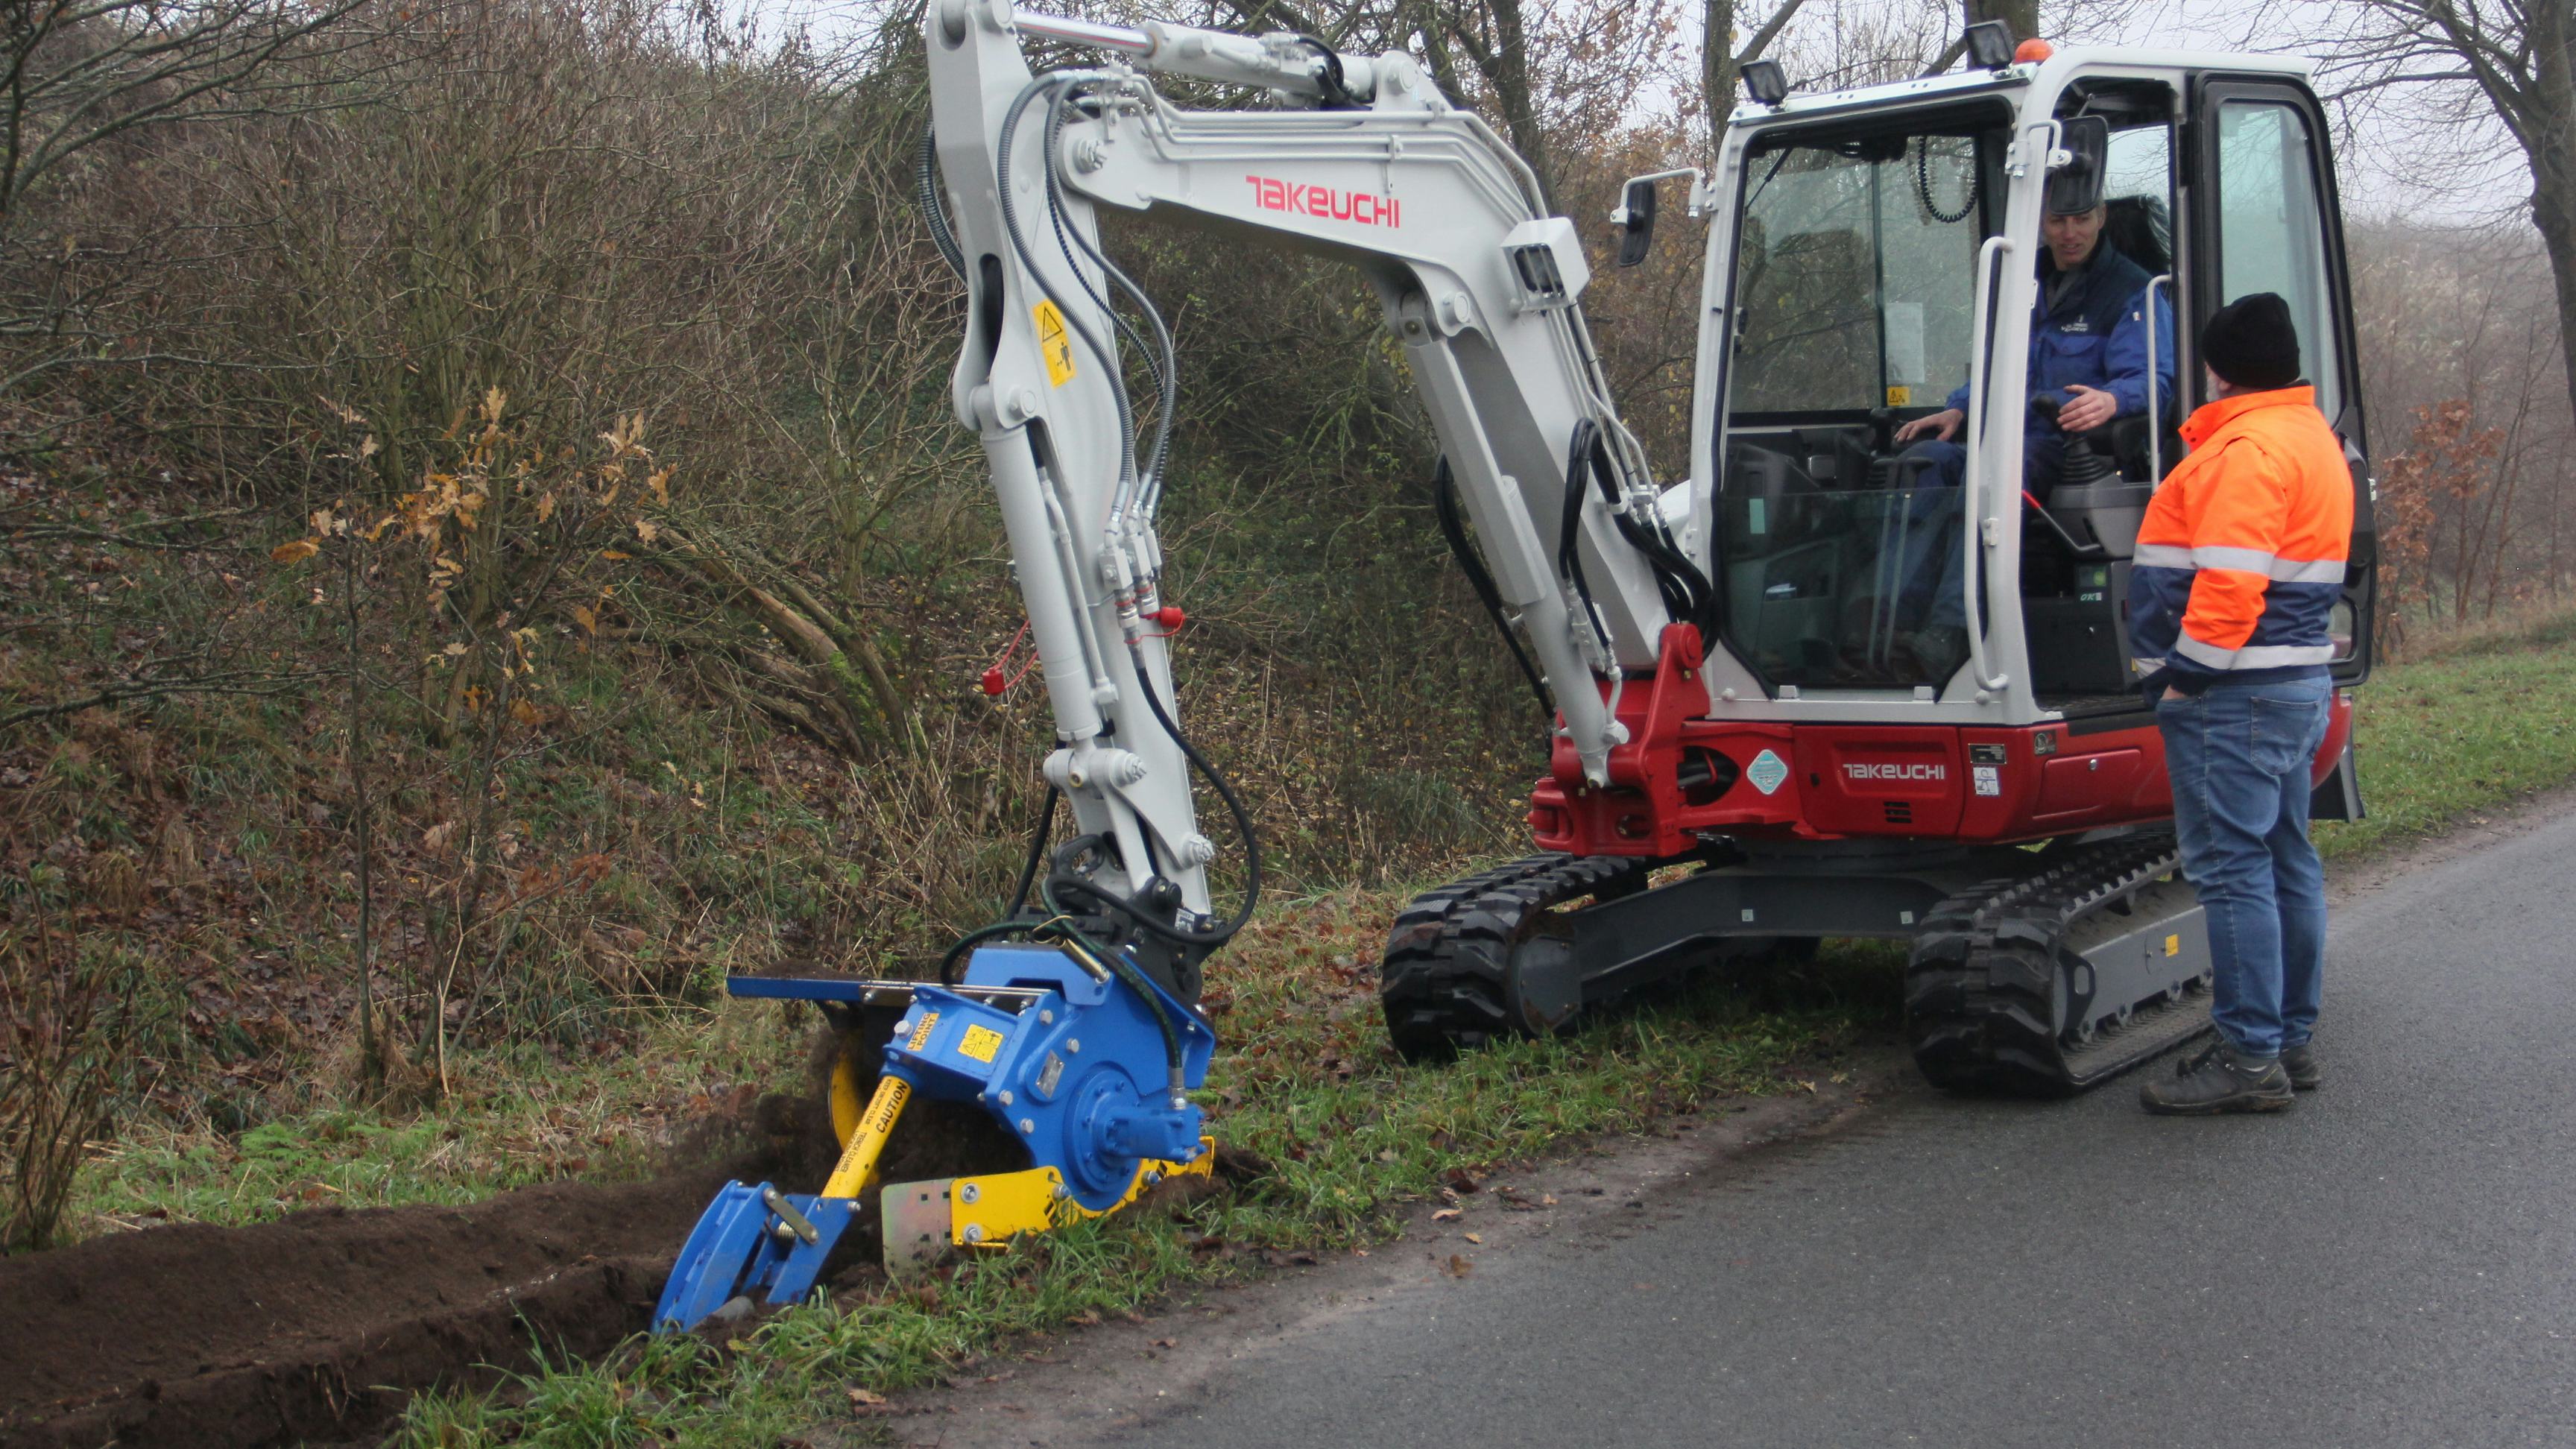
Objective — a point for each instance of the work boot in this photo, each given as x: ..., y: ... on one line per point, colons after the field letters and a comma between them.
x: 2219, y: 1079
x: 2301, y: 1063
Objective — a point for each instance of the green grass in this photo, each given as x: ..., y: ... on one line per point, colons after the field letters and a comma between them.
x: 1352, y: 1136
x: 2461, y: 733
x: 521, y: 1116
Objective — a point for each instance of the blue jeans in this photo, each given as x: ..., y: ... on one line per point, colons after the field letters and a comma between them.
x: 2238, y: 755
x: 1932, y: 587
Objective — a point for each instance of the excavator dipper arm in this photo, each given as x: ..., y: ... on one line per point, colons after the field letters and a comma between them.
x: 1360, y: 158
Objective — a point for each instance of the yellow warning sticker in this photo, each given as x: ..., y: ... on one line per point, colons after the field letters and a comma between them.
x: 979, y: 1042
x: 1900, y: 396
x: 1056, y: 345
x: 921, y: 1033
x: 2173, y: 945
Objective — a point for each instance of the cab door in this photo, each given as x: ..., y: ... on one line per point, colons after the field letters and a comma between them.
x: 2263, y: 218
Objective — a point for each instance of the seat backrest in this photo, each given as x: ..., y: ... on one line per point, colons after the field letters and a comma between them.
x: 2139, y: 228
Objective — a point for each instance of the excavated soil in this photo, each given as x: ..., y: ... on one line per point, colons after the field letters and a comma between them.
x: 320, y: 1326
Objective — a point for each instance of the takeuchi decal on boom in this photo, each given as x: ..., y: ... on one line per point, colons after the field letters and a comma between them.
x: 1272, y: 194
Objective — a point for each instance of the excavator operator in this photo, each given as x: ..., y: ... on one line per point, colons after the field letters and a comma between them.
x: 2088, y: 348
x: 2088, y: 353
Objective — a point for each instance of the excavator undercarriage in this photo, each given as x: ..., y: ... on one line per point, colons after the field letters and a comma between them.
x: 2031, y: 971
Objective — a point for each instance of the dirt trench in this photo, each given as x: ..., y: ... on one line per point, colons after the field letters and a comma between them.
x: 320, y: 1326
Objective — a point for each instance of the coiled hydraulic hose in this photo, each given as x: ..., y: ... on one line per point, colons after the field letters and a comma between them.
x: 925, y: 175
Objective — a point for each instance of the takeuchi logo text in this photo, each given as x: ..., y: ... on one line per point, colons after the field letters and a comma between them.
x: 1859, y: 770
x: 1272, y: 194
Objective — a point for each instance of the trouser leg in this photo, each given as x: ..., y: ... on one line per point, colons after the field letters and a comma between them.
x: 1927, y: 564
x: 2225, y: 809
x: 1946, y: 604
x: 2300, y: 882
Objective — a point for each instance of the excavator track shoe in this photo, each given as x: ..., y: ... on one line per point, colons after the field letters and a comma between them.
x: 1450, y: 981
x: 2045, y: 984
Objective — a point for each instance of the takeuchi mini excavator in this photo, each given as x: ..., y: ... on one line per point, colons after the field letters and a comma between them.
x: 1803, y: 692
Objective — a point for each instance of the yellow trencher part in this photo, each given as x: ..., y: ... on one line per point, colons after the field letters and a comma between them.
x: 989, y: 1210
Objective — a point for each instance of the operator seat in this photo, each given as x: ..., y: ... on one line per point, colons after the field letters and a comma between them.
x: 2140, y: 228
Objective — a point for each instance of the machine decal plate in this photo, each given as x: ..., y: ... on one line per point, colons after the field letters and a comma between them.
x: 1054, y: 344
x: 921, y: 1033
x: 1049, y: 1073
x: 1767, y: 772
x: 980, y: 1042
x: 1989, y: 779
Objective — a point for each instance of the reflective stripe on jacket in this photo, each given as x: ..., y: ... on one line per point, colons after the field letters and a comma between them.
x: 2241, y: 557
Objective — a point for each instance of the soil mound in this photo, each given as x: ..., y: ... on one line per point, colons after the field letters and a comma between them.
x: 319, y: 1326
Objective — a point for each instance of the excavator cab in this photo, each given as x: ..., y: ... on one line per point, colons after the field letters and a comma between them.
x: 1923, y: 720
x: 1875, y: 259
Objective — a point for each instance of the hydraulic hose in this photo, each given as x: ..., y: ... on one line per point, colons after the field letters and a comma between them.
x: 1686, y: 592
x: 1073, y: 320
x: 1162, y: 361
x: 1233, y: 803
x: 925, y: 177
x: 1453, y: 527
x: 977, y: 937
x: 1037, y: 849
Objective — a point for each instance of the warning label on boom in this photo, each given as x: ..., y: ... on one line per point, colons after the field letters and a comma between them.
x: 1054, y: 344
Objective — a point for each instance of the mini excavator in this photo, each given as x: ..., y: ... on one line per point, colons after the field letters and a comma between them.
x: 1762, y: 735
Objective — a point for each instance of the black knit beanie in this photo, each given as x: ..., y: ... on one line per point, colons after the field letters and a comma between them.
x: 2252, y: 343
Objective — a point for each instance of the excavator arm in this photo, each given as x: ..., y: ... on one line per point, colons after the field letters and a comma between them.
x: 1357, y: 157
x: 1083, y: 1041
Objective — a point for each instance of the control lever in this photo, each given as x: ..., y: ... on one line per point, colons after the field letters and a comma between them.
x: 2081, y: 467
x: 1882, y: 432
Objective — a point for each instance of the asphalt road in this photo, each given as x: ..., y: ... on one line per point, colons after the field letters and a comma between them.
x: 2391, y: 1263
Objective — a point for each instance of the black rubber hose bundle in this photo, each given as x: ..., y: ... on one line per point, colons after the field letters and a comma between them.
x: 1453, y: 527
x: 1686, y: 592
x: 925, y: 175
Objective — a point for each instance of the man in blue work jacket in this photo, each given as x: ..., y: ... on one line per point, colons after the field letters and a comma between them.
x: 2088, y: 352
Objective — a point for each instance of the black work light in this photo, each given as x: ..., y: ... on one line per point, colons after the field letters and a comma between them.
x: 1767, y: 83
x: 1990, y: 44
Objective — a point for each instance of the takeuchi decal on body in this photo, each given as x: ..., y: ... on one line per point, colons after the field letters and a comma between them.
x: 1862, y: 771
x: 1272, y: 194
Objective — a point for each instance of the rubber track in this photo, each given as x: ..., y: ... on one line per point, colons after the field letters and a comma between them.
x: 1981, y: 984
x: 1448, y: 956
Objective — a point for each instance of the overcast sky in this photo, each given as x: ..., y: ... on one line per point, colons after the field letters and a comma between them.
x: 2401, y: 154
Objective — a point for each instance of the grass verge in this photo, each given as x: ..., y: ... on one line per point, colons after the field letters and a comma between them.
x: 2465, y: 730
x: 1306, y: 1080
x: 1352, y: 1135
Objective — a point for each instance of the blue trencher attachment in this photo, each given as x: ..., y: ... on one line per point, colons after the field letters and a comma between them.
x: 1069, y: 1056
x: 752, y: 1239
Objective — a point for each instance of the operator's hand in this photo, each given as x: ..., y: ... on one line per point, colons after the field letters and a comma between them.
x: 2086, y: 408
x: 1943, y: 425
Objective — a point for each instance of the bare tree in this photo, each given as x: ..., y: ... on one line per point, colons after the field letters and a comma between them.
x: 2021, y: 15
x: 82, y: 82
x: 1722, y: 61
x: 2515, y: 58
x: 80, y: 72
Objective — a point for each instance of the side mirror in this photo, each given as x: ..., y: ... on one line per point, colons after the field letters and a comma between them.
x: 2076, y: 169
x: 1636, y: 221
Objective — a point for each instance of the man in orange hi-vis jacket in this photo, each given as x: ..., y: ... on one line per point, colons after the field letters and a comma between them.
x: 2238, y: 568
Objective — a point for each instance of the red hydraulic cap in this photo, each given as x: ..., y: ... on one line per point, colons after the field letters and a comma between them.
x: 994, y: 683
x: 1171, y: 617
